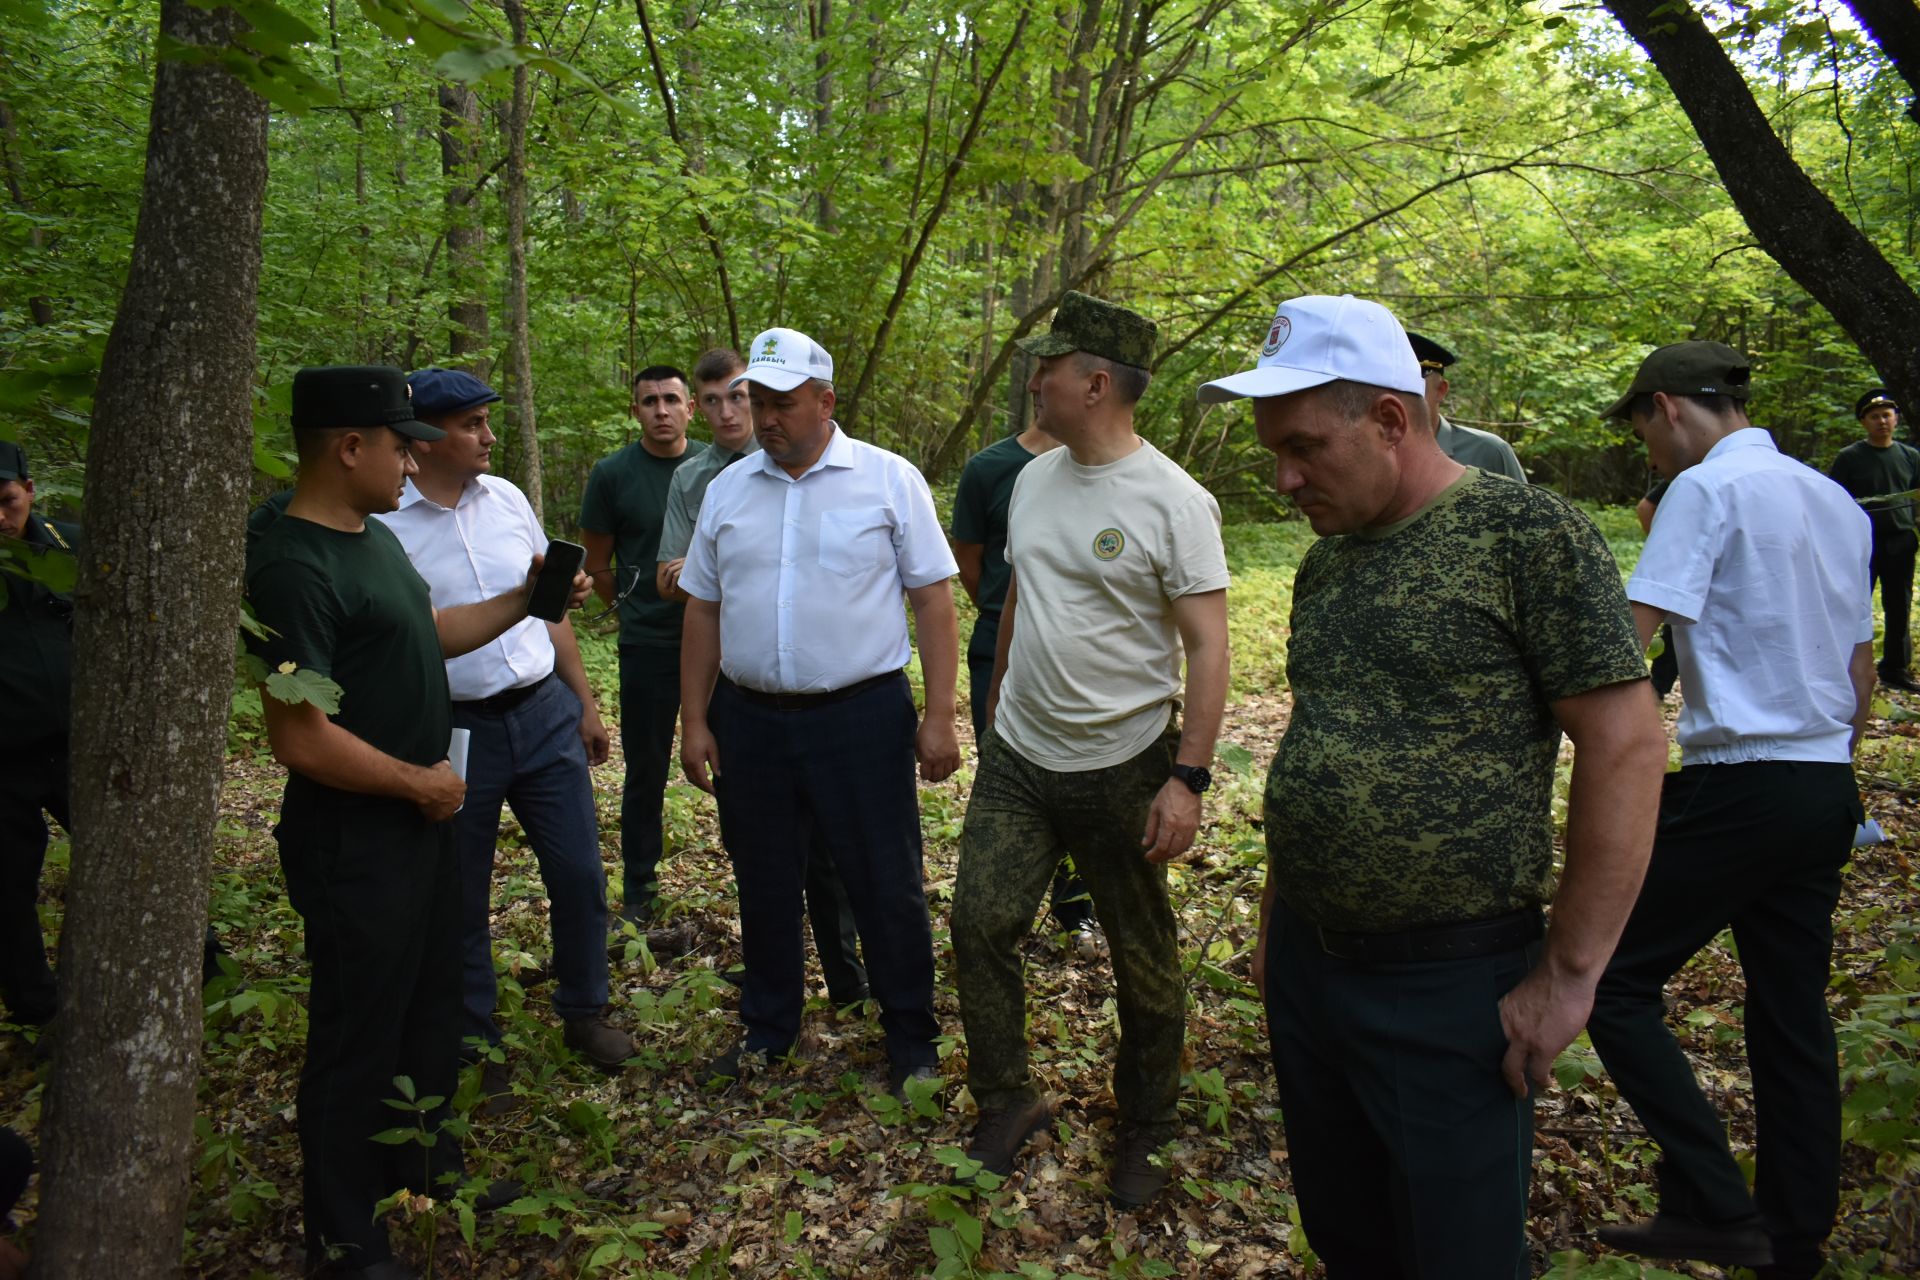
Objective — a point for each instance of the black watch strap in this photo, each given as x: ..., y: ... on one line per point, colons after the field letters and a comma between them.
x: 1196, y: 776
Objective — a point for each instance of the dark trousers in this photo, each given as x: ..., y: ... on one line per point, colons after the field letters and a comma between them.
x: 649, y: 706
x: 842, y: 774
x: 1072, y: 904
x: 1758, y: 848
x: 1020, y: 819
x: 835, y: 939
x: 530, y: 756
x: 1410, y: 1156
x: 1892, y: 567
x: 379, y: 889
x: 33, y: 781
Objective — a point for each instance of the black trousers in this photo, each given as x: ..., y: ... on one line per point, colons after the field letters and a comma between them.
x: 1758, y: 848
x: 33, y: 782
x: 649, y: 706
x: 1892, y: 567
x: 379, y: 889
x: 840, y: 776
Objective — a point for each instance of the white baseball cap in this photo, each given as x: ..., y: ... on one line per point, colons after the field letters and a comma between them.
x: 785, y: 358
x: 1320, y: 339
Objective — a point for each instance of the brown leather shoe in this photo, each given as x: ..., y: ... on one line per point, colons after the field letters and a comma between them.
x: 598, y: 1041
x: 1001, y: 1132
x: 1136, y: 1179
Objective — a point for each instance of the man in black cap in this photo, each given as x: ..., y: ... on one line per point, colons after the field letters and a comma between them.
x: 36, y: 666
x: 1468, y: 446
x: 1761, y: 564
x: 364, y: 839
x: 1882, y: 473
x: 1118, y: 572
x: 524, y: 698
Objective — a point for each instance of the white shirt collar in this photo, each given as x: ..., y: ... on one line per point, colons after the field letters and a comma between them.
x: 838, y: 454
x: 1744, y: 438
x: 411, y: 494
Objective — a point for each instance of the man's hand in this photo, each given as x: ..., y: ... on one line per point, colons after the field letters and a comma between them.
x: 1541, y: 1016
x: 667, y: 579
x: 577, y: 596
x: 594, y: 735
x: 699, y: 755
x: 1171, y: 822
x: 1258, y: 963
x: 938, y: 747
x: 439, y: 792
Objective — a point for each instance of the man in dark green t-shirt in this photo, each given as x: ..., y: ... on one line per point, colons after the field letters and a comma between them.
x: 1881, y: 473
x: 620, y: 519
x: 1445, y: 630
x: 363, y: 834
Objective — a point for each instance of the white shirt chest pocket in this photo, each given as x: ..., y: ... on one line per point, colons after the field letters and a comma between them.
x: 855, y: 540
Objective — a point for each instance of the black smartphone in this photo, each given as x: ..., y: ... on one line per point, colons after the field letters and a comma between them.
x: 555, y: 583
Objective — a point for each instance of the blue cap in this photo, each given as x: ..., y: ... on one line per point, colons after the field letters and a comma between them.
x: 438, y: 391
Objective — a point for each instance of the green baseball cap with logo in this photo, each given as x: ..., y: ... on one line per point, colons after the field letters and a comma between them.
x: 1688, y: 369
x: 1097, y: 328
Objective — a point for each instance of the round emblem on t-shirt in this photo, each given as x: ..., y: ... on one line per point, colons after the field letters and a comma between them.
x: 1109, y: 543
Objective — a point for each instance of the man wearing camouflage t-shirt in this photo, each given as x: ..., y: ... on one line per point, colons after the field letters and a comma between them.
x: 1445, y: 630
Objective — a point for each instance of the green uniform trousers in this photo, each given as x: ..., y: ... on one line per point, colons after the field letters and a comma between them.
x: 1020, y: 819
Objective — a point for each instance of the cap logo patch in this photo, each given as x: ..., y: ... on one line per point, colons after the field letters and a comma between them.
x: 1108, y: 543
x: 1277, y: 336
x: 769, y: 350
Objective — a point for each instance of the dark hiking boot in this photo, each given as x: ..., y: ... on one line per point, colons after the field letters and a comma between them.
x: 1669, y: 1235
x: 1136, y: 1178
x: 594, y: 1039
x: 1001, y: 1132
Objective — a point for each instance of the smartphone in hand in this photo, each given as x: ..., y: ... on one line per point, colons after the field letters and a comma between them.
x: 554, y: 586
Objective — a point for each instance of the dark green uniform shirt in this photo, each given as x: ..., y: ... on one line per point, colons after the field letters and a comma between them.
x: 1414, y: 782
x: 980, y: 513
x: 36, y: 641
x: 351, y: 606
x: 627, y: 497
x: 1864, y: 471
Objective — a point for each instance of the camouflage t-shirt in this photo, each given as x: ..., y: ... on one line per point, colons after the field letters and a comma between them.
x: 1413, y: 785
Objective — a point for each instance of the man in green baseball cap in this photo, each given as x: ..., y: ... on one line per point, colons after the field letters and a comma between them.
x: 1117, y: 568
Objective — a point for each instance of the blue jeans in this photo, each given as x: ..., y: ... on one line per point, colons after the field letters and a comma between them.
x: 531, y: 757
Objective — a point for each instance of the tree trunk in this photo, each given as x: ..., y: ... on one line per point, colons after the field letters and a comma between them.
x: 168, y: 466
x: 1791, y: 218
x: 526, y: 440
x: 40, y: 307
x: 466, y: 233
x: 1895, y: 27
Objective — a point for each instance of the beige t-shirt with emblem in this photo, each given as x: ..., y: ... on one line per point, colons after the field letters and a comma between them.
x: 1099, y: 556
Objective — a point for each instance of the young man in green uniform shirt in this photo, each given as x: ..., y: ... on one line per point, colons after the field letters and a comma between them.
x: 1876, y: 468
x: 1468, y: 446
x: 620, y: 523
x: 364, y: 839
x: 1446, y: 628
x: 36, y: 669
x: 1118, y: 571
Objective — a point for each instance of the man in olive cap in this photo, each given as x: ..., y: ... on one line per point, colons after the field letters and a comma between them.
x: 365, y: 841
x: 1881, y: 473
x: 1117, y: 568
x: 1468, y: 446
x: 1760, y: 563
x: 36, y: 666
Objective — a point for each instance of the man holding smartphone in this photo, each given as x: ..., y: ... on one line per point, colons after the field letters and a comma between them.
x: 525, y: 699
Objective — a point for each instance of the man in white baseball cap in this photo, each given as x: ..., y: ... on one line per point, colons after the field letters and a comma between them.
x: 795, y: 708
x: 1445, y: 630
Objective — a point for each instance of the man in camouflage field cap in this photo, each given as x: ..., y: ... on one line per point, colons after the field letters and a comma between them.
x: 1117, y: 566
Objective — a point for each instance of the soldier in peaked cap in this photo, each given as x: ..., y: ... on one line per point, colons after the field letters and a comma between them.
x: 1117, y: 569
x: 1468, y: 446
x: 1881, y: 473
x: 364, y: 839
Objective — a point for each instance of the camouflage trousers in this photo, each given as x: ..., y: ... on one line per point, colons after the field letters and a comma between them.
x: 1020, y: 819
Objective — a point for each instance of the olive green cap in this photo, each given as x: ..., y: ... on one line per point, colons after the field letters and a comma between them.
x: 1097, y: 328
x: 1688, y: 369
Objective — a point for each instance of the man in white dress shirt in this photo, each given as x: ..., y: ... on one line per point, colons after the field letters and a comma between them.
x: 795, y: 708
x: 525, y: 699
x: 1760, y: 564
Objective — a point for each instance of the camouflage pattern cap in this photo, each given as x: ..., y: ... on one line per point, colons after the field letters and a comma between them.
x: 1097, y: 328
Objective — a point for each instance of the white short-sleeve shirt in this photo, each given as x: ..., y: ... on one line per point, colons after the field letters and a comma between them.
x: 1761, y: 565
x: 809, y: 571
x: 475, y: 550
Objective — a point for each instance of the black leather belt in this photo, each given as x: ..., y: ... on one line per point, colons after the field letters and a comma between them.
x: 802, y: 701
x: 1440, y: 942
x: 506, y: 699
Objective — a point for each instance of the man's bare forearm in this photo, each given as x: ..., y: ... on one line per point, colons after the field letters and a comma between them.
x: 936, y: 632
x: 1202, y: 620
x: 309, y: 744
x: 1860, y: 671
x: 699, y: 660
x: 466, y: 627
x: 567, y: 663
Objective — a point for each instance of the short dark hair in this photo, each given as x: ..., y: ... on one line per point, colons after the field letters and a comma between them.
x: 659, y: 373
x: 721, y: 362
x: 1129, y: 380
x: 1352, y: 399
x: 1717, y: 405
x: 310, y: 442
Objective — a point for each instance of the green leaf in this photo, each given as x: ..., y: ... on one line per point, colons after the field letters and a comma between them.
x: 301, y: 685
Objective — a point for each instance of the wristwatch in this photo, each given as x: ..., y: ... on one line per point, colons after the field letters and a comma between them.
x: 1195, y: 776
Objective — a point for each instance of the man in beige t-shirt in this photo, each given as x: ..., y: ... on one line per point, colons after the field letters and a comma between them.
x: 1117, y: 569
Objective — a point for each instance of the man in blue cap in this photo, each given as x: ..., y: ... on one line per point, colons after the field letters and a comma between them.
x: 364, y: 837
x: 524, y: 698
